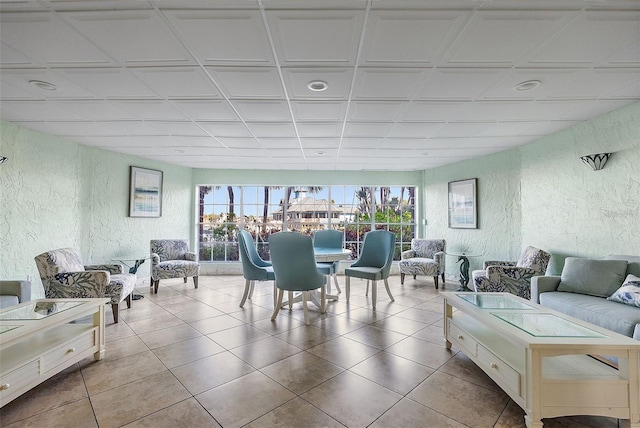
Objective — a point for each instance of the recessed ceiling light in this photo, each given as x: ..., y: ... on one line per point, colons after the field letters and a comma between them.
x: 43, y: 85
x: 321, y: 153
x: 528, y: 85
x: 425, y: 153
x: 179, y: 151
x: 318, y: 85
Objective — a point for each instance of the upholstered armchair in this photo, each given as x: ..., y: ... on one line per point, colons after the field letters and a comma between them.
x: 64, y: 276
x: 512, y: 276
x: 426, y: 257
x: 171, y: 258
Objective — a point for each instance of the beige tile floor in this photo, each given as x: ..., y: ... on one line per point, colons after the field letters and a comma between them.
x: 193, y: 358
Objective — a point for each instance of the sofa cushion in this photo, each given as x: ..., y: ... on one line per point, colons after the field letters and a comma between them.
x: 593, y: 277
x: 594, y: 310
x: 628, y: 293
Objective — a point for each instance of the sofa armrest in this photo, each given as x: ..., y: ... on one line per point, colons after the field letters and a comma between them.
x: 543, y: 284
x: 113, y: 269
x: 90, y: 283
x: 407, y: 254
x: 155, y: 259
x: 498, y: 263
x: 191, y: 257
x: 636, y: 332
x: 22, y: 289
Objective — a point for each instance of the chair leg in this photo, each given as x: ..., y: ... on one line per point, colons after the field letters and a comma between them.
x: 386, y: 285
x: 247, y: 286
x: 323, y: 299
x: 442, y: 279
x: 195, y: 281
x: 252, y: 286
x: 114, y: 307
x: 275, y: 295
x: 305, y: 296
x: 327, y: 281
x: 335, y: 280
x: 156, y: 286
x: 347, y: 283
x: 435, y: 280
x: 366, y: 291
x: 128, y: 300
x: 374, y: 292
x: 414, y: 277
x: 278, y: 304
x: 401, y: 279
x: 185, y: 279
x: 290, y: 300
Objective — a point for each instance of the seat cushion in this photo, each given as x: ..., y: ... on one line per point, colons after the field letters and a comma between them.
x: 418, y: 266
x: 6, y: 301
x: 120, y: 286
x: 595, y: 310
x: 175, y: 269
x: 371, y: 273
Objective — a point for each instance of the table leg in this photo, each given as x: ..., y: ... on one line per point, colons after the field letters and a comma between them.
x: 464, y: 273
x: 133, y: 269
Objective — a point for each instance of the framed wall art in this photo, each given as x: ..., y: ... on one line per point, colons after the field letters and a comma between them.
x: 463, y: 207
x: 145, y: 193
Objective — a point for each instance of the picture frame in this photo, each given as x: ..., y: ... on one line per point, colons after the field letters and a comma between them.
x: 145, y: 192
x: 463, y: 206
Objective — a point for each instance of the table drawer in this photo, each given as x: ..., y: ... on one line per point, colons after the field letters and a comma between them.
x: 504, y: 375
x: 466, y: 342
x: 13, y: 383
x: 68, y: 351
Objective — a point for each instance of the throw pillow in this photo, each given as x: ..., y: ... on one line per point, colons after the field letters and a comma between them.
x: 628, y: 293
x: 600, y: 278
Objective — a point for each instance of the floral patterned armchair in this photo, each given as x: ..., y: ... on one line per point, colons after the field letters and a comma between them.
x: 64, y: 276
x: 512, y: 276
x: 426, y: 257
x: 170, y: 258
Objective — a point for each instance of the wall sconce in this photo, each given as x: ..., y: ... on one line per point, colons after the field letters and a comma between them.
x: 596, y: 160
x: 2, y: 159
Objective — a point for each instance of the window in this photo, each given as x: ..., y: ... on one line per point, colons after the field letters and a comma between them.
x: 263, y: 210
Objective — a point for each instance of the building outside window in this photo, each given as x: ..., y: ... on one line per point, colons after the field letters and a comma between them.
x: 264, y: 210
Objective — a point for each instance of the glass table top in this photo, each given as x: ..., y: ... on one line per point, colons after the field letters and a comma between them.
x: 546, y: 325
x: 491, y: 301
x: 37, y: 310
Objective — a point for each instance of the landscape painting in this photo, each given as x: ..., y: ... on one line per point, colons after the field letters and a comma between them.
x: 145, y: 194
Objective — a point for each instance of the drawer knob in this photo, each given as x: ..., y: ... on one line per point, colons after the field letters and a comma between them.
x: 460, y: 337
x: 4, y: 387
x: 70, y: 350
x: 493, y: 365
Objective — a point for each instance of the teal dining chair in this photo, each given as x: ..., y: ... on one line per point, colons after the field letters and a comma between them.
x: 254, y: 268
x: 329, y: 238
x: 294, y: 265
x: 374, y: 263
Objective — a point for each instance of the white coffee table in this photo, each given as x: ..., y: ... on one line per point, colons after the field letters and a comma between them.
x: 540, y: 357
x: 40, y: 338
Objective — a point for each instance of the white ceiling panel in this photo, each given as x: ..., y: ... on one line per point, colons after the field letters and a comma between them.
x: 178, y: 82
x: 223, y: 36
x: 409, y: 37
x: 130, y: 36
x: 256, y: 82
x: 226, y: 129
x: 310, y: 130
x: 517, y: 33
x: 203, y: 110
x: 53, y: 38
x: 316, y: 37
x: 412, y: 84
x: 319, y: 110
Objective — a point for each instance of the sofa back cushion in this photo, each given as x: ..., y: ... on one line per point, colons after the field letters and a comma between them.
x: 633, y: 266
x: 599, y: 278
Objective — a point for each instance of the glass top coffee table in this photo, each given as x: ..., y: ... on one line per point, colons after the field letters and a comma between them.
x: 543, y: 359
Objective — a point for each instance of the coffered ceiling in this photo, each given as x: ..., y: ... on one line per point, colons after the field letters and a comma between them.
x: 412, y: 84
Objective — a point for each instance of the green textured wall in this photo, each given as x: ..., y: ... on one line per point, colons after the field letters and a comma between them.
x: 541, y: 194
x: 56, y: 193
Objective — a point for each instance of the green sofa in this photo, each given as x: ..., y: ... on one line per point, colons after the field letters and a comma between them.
x: 582, y: 289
